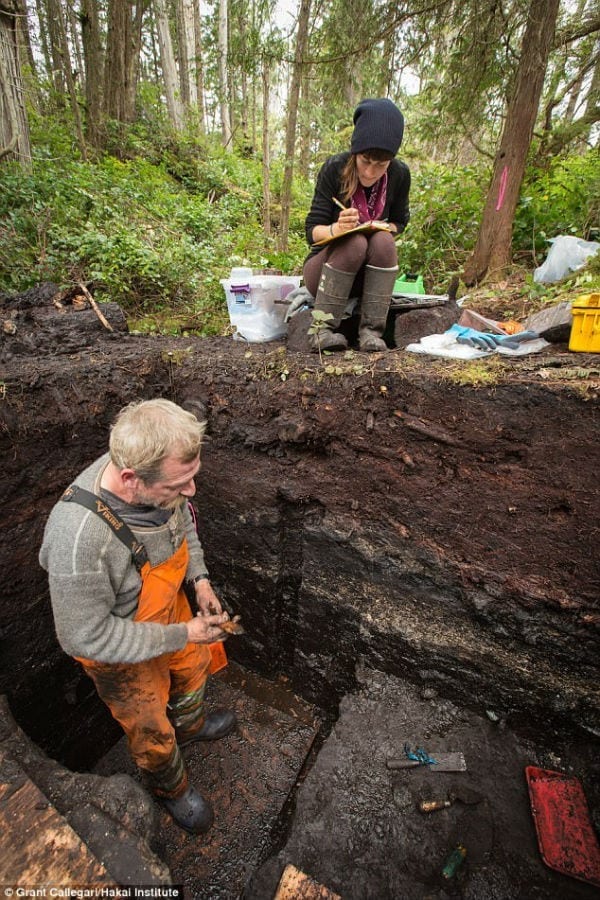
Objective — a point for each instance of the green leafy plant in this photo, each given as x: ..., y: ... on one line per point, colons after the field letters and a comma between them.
x: 156, y: 229
x: 319, y: 325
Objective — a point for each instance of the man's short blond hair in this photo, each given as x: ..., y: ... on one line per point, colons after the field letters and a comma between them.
x: 146, y: 432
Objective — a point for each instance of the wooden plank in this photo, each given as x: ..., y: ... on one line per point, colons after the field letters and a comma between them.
x: 37, y: 844
x: 296, y: 885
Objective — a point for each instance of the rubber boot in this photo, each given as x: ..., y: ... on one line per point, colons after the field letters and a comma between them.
x: 374, y: 306
x: 190, y: 811
x: 216, y: 725
x: 332, y: 297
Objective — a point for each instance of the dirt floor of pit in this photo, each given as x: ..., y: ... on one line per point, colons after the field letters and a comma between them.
x: 357, y: 828
x: 351, y: 823
x: 248, y: 777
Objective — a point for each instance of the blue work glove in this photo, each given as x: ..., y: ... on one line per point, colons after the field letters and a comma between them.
x: 482, y: 340
x: 512, y: 341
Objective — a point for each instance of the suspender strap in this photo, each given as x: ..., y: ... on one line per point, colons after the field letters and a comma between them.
x: 121, y: 530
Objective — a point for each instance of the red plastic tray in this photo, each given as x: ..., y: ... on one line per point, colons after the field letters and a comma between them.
x: 566, y: 836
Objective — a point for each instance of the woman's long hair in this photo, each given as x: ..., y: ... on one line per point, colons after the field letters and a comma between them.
x: 349, y: 179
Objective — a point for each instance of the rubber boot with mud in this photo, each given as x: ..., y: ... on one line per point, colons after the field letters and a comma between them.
x: 374, y: 307
x: 217, y: 724
x: 332, y: 297
x: 190, y: 811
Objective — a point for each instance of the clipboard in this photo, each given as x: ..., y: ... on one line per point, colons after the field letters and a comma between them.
x: 365, y: 228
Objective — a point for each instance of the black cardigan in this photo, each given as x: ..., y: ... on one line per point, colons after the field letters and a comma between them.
x: 323, y: 210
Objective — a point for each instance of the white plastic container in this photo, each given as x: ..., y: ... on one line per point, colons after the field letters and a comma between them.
x: 257, y: 305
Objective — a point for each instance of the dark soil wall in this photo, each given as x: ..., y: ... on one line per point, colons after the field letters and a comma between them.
x: 434, y: 529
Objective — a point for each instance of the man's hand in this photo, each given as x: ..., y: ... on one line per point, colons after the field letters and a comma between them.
x: 204, y: 629
x: 207, y: 600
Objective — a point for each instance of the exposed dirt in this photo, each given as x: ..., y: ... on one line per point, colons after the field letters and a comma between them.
x: 357, y: 827
x: 433, y: 520
x: 247, y: 776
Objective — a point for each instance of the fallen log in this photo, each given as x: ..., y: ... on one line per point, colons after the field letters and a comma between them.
x: 47, y: 321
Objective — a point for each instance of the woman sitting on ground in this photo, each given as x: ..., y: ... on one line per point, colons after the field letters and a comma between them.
x: 366, y: 184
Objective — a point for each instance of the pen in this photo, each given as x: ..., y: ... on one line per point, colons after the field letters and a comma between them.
x: 339, y: 203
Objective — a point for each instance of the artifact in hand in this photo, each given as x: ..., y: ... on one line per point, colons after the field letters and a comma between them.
x: 233, y: 626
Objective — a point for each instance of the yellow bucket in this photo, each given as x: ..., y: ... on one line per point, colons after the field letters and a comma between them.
x: 585, y: 330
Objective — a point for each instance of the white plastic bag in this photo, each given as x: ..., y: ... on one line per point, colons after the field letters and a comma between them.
x: 257, y: 304
x: 566, y: 255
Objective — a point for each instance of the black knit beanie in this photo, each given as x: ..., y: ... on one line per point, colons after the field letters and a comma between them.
x: 378, y: 125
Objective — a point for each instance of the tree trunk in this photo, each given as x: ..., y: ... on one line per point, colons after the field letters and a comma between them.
x: 53, y: 18
x: 43, y: 30
x: 266, y: 161
x: 306, y: 123
x: 94, y: 71
x: 14, y: 128
x: 116, y: 70
x: 243, y: 79
x: 167, y: 59
x: 122, y: 59
x: 187, y: 53
x: 24, y: 38
x: 292, y: 117
x: 132, y: 60
x: 75, y: 40
x: 183, y: 56
x: 223, y: 45
x: 592, y: 108
x: 492, y: 253
x: 199, y: 69
x: 253, y: 91
x: 61, y: 26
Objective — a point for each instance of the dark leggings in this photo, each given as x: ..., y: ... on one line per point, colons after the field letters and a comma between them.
x: 352, y: 254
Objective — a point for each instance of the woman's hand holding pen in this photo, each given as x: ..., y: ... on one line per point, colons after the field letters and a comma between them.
x: 347, y: 219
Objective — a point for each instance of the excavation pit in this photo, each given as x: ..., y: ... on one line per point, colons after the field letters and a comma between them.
x: 413, y: 548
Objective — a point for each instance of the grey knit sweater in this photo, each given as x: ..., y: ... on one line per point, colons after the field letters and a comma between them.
x: 94, y: 585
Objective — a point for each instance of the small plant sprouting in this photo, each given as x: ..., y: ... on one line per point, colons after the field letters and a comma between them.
x: 319, y: 325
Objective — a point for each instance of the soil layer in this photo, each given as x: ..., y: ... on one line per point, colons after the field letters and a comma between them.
x: 438, y: 519
x: 431, y: 520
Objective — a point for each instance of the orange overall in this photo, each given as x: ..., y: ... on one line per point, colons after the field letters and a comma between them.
x: 160, y: 699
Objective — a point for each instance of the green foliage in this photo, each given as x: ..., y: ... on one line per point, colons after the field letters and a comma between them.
x: 147, y: 243
x: 564, y: 199
x: 158, y: 228
x: 319, y: 324
x: 319, y: 321
x: 446, y: 205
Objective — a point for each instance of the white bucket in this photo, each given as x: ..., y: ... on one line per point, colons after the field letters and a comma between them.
x: 257, y: 305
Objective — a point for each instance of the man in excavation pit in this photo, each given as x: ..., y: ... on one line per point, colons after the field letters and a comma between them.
x: 118, y: 547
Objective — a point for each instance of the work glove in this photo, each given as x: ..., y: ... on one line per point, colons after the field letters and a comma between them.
x: 484, y: 340
x: 512, y: 341
x: 298, y: 299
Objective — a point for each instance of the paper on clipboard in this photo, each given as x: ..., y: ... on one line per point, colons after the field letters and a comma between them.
x: 365, y: 228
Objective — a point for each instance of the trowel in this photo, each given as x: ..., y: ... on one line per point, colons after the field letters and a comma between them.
x: 464, y: 795
x: 453, y: 761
